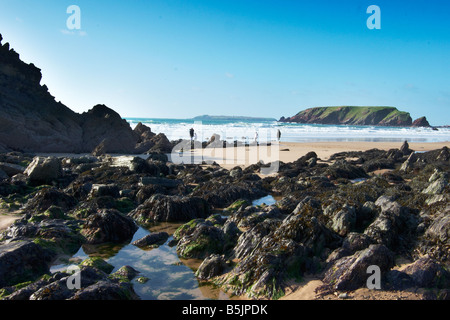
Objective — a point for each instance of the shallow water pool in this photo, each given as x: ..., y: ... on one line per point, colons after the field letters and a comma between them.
x: 170, y: 278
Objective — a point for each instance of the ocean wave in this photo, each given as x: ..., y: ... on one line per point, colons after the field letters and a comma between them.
x: 176, y: 129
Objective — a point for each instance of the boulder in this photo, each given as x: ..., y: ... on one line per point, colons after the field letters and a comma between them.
x: 350, y: 273
x: 211, y: 267
x: 343, y: 221
x: 98, y: 263
x: 102, y: 190
x: 356, y: 242
x: 222, y: 194
x: 48, y: 197
x: 125, y: 272
x: 22, y: 261
x: 108, y: 225
x: 103, y: 128
x: 426, y: 272
x: 156, y: 238
x: 343, y: 169
x: 166, y: 208
x: 394, y: 227
x: 439, y: 230
x: 107, y: 290
x: 159, y: 181
x: 204, y: 240
x: 44, y: 170
x: 57, y: 235
x: 11, y: 169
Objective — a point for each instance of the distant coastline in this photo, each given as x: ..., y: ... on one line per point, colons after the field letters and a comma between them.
x: 231, y: 118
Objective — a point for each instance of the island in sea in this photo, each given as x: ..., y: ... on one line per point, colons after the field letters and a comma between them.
x: 350, y: 115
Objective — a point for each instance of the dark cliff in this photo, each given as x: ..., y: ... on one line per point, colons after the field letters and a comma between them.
x: 32, y: 121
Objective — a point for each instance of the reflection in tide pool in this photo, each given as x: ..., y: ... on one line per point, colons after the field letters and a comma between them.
x: 169, y: 278
x: 267, y: 200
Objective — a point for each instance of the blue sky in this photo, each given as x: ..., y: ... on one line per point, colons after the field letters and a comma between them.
x: 179, y: 59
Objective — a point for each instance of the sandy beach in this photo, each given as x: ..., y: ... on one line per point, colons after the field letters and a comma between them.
x: 7, y: 219
x: 291, y: 151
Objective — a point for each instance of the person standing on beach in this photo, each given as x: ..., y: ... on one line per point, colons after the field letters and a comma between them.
x: 191, y: 133
x: 278, y: 135
x: 256, y: 136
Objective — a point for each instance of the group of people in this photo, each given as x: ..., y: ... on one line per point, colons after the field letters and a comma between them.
x: 193, y: 135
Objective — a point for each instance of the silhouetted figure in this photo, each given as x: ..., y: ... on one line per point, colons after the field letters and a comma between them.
x: 278, y: 135
x: 191, y: 133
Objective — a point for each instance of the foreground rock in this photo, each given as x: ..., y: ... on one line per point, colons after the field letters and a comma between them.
x: 94, y: 285
x: 22, y: 261
x: 350, y: 273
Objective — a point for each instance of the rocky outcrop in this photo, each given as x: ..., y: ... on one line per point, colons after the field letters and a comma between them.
x: 373, y: 116
x: 421, y: 122
x: 32, y: 121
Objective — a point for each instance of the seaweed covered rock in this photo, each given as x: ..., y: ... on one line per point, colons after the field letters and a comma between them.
x: 250, y: 239
x: 394, y: 227
x: 211, y: 267
x: 350, y: 272
x: 343, y: 169
x: 262, y: 272
x: 47, y: 197
x: 94, y: 284
x: 108, y: 225
x: 165, y: 208
x: 22, y: 261
x: 435, y: 240
x: 280, y: 248
x: 427, y: 272
x: 221, y: 195
x: 202, y: 240
x: 57, y: 236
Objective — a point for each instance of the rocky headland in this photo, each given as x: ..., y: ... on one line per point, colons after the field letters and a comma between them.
x: 366, y: 116
x: 32, y: 121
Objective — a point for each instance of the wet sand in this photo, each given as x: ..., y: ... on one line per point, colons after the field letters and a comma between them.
x: 291, y: 151
x: 7, y: 219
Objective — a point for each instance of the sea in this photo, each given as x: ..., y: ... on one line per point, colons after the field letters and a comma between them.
x: 246, y: 130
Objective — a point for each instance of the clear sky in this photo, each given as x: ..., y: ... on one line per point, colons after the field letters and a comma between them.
x: 180, y: 59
